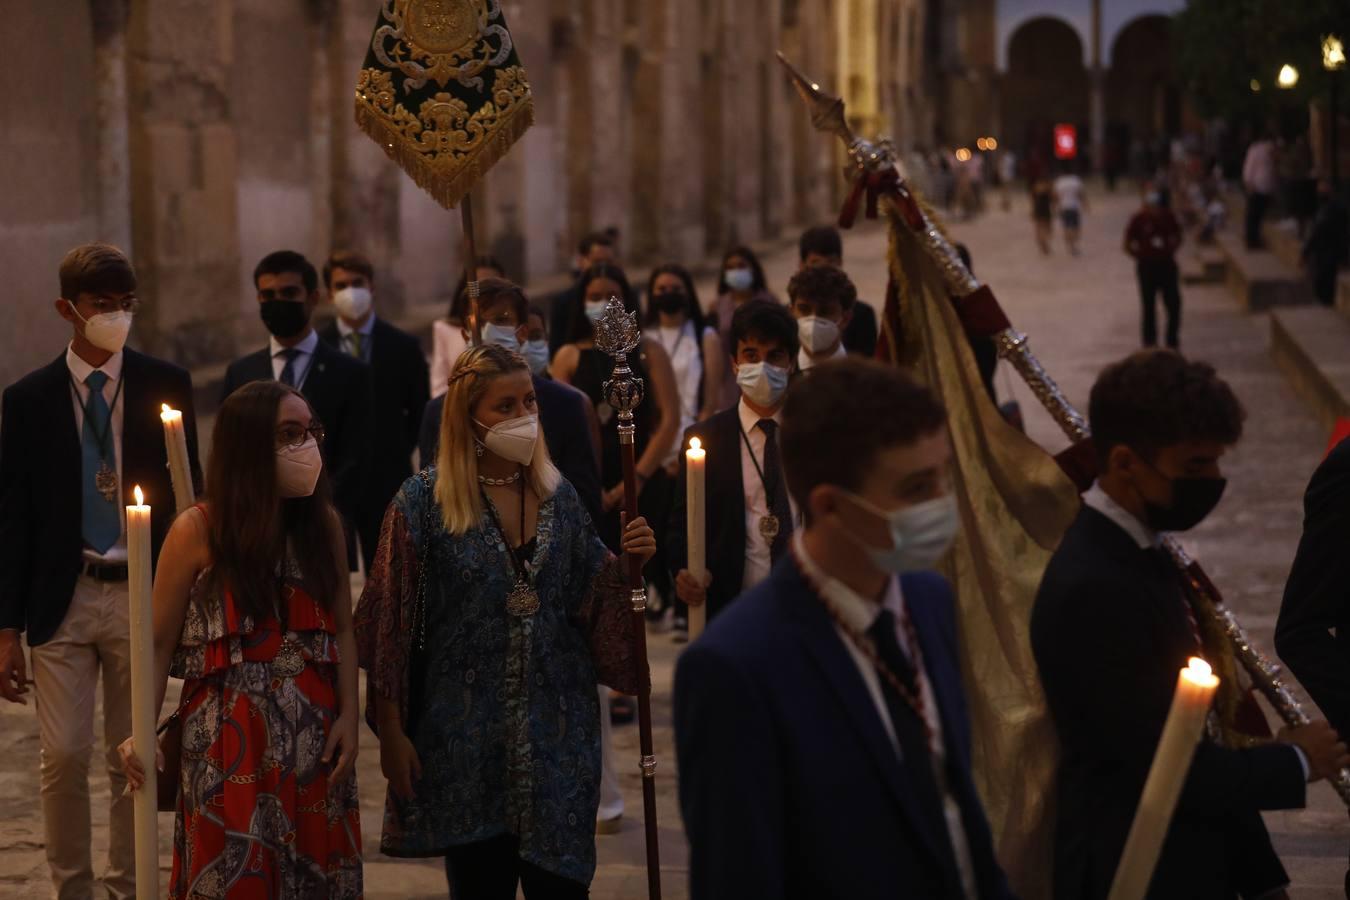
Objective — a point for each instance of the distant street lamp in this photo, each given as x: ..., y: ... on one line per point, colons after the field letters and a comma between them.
x: 1333, y: 60
x: 1288, y: 76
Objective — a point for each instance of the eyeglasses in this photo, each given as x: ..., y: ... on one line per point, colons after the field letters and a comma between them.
x: 291, y: 292
x: 103, y: 305
x: 294, y: 436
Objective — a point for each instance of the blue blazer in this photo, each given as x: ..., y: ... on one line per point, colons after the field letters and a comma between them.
x: 789, y: 785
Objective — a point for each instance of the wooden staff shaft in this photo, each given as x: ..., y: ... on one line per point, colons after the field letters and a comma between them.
x: 470, y: 268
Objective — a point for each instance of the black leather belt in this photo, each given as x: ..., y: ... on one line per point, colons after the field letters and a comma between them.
x: 104, y: 571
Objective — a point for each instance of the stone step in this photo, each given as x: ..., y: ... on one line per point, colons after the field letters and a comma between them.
x: 1309, y: 345
x: 1258, y: 279
x: 1282, y: 240
x: 1204, y: 264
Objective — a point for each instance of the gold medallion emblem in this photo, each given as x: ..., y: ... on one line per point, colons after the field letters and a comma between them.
x: 768, y: 527
x: 522, y: 602
x: 105, y: 482
x: 442, y: 26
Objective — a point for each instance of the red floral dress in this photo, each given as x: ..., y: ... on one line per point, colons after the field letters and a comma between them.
x: 257, y: 815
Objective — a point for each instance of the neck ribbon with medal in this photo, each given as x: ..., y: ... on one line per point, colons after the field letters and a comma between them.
x: 105, y: 479
x: 769, y: 526
x: 523, y: 600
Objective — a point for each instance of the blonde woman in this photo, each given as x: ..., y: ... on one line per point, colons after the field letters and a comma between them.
x: 492, y: 611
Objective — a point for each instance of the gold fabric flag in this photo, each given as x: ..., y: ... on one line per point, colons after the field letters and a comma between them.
x: 443, y: 92
x: 1015, y: 504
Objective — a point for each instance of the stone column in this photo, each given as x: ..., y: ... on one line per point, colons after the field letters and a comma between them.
x: 109, y: 19
x: 325, y: 104
x: 184, y: 177
x: 1097, y: 113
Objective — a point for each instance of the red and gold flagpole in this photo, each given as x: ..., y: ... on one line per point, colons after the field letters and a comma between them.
x: 617, y: 335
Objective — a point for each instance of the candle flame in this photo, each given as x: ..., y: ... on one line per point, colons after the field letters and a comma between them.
x: 695, y: 444
x: 165, y: 409
x: 140, y: 498
x: 1200, y: 673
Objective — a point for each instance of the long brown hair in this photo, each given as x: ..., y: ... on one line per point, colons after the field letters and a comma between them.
x: 252, y: 528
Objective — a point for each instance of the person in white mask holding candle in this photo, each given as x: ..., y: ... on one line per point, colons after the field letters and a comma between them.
x: 823, y: 743
x: 398, y: 371
x: 252, y: 609
x: 491, y: 613
x: 76, y: 436
x: 821, y: 299
x: 750, y: 515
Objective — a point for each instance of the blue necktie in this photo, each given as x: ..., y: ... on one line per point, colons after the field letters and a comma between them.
x: 100, y: 521
x: 290, y: 354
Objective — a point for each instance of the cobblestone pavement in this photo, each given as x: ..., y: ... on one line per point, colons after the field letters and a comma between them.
x: 1080, y: 313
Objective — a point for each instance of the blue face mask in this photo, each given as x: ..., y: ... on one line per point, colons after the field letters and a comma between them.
x: 536, y: 354
x: 595, y: 309
x: 920, y: 534
x: 502, y: 336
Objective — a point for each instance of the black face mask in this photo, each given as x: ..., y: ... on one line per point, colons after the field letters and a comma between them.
x: 671, y: 302
x: 1193, y: 499
x: 284, y: 318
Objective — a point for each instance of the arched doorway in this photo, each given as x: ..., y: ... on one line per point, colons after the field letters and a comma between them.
x: 1142, y: 100
x: 1046, y: 84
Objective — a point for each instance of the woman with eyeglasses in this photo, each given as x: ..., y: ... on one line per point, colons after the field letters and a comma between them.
x: 492, y: 612
x: 252, y: 609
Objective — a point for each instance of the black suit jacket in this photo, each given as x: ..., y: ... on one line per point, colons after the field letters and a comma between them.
x: 1312, y: 634
x: 789, y: 785
x: 725, y: 536
x: 860, y: 337
x: 339, y: 389
x: 41, y: 481
x: 401, y: 390
x: 1109, y: 632
x: 564, y: 420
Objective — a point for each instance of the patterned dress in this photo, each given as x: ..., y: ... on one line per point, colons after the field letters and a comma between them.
x: 257, y: 815
x: 505, y: 718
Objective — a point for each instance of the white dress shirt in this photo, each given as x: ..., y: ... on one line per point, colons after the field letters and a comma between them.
x: 758, y: 556
x: 860, y: 614
x: 345, y: 333
x: 79, y: 371
x: 302, y: 362
x: 805, y: 362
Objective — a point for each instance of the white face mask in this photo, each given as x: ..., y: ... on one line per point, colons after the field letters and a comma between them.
x: 536, y: 354
x: 818, y: 335
x: 106, y: 331
x: 502, y: 336
x: 513, y: 439
x: 595, y: 309
x: 739, y: 279
x: 762, y: 383
x: 353, y: 302
x: 920, y: 534
x: 298, y: 469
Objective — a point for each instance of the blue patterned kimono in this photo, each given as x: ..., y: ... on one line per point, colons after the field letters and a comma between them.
x: 508, y: 724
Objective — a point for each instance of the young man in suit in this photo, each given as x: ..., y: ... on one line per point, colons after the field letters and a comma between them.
x: 564, y: 412
x: 336, y: 385
x: 820, y: 722
x: 401, y: 386
x: 823, y: 246
x: 1313, y: 629
x: 750, y: 514
x: 595, y: 248
x: 822, y: 299
x: 1110, y: 629
x: 75, y: 437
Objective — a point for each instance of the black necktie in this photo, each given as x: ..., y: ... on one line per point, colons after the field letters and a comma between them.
x: 290, y: 354
x: 775, y: 489
x: 1167, y: 572
x: 910, y: 727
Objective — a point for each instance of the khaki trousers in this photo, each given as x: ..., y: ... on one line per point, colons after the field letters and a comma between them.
x: 94, y: 634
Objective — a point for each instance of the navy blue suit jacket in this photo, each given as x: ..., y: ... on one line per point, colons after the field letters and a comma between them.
x: 566, y: 426
x: 789, y: 784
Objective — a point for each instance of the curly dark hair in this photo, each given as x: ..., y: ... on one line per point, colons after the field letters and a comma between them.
x: 823, y: 284
x: 1157, y: 398
x: 767, y: 321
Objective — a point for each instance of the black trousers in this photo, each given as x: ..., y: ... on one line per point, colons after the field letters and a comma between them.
x: 1257, y: 204
x: 492, y: 869
x: 1324, y: 281
x: 1160, y: 276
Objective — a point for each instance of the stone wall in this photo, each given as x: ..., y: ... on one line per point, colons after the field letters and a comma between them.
x: 202, y: 134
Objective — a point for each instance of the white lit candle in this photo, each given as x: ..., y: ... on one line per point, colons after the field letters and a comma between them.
x: 175, y: 444
x: 1171, y: 762
x: 143, y: 737
x: 697, y: 526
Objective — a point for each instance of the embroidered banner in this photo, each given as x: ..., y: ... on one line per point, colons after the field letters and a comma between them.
x: 443, y: 92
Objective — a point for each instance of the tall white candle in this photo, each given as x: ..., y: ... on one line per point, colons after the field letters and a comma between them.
x: 143, y: 697
x: 1171, y: 762
x: 175, y: 444
x: 696, y: 504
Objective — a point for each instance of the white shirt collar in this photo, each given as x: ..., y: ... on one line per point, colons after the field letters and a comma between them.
x: 857, y: 612
x: 306, y: 347
x: 79, y: 369
x: 805, y: 362
x: 1140, y: 533
x: 344, y: 329
x: 750, y: 418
